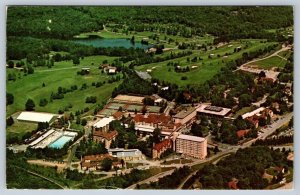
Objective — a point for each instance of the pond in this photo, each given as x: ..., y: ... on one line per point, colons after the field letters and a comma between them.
x: 103, y: 42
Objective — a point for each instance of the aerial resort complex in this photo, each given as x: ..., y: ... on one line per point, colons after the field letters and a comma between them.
x: 140, y: 97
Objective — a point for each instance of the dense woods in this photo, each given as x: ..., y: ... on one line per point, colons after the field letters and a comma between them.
x: 232, y: 22
x: 247, y: 165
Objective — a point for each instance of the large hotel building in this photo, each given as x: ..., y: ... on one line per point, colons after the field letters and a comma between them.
x: 192, y: 146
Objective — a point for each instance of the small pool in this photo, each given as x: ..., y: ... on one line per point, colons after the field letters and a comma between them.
x: 60, y: 142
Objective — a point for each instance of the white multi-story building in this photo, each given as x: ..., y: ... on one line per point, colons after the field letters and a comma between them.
x: 191, y: 145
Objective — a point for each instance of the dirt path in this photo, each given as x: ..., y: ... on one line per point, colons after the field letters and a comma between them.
x: 269, y: 73
x: 43, y: 177
x: 57, y: 69
x: 47, y: 163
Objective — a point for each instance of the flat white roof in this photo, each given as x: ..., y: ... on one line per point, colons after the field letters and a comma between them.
x: 254, y: 112
x: 36, y: 116
x: 103, y: 122
x: 223, y: 112
x: 191, y: 138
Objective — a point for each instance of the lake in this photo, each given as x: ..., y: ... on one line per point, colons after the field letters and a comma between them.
x: 102, y: 42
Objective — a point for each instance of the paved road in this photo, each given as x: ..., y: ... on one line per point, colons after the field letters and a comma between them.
x: 280, y: 122
x: 188, y: 177
x: 57, y: 69
x: 153, y: 178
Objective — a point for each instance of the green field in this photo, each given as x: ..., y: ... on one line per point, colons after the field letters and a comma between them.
x: 63, y: 74
x: 271, y: 62
x: 285, y: 54
x: 19, y: 128
x: 206, y: 68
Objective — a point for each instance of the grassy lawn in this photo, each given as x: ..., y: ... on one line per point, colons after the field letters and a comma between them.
x: 271, y: 62
x: 133, y: 165
x: 19, y: 128
x: 177, y: 161
x: 207, y: 67
x: 63, y: 74
x: 244, y: 110
x: 285, y: 54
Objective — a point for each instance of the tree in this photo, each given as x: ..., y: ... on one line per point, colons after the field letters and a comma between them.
x: 244, y: 100
x: 148, y: 101
x: 106, y: 164
x: 76, y: 60
x: 83, y: 122
x: 116, y: 168
x: 29, y: 106
x: 122, y: 162
x: 9, y: 121
x: 132, y: 40
x: 71, y: 116
x: 78, y: 120
x: 216, y: 149
x: 156, y: 135
x: 43, y: 102
x: 9, y: 99
x: 262, y: 74
x: 30, y: 70
x: 10, y: 64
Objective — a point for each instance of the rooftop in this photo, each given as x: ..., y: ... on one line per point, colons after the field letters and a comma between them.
x: 121, y: 152
x: 107, y: 135
x: 103, y: 122
x: 152, y: 118
x: 254, y: 112
x: 191, y: 138
x: 184, y: 113
x: 36, y: 116
x: 220, y: 111
x: 165, y: 143
x: 242, y: 133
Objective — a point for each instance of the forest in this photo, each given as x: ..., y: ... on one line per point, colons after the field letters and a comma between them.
x: 233, y: 22
x: 247, y: 166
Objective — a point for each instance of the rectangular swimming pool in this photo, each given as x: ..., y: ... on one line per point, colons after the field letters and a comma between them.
x: 60, y: 142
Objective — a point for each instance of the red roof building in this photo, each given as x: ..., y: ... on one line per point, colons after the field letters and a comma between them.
x: 160, y: 148
x: 242, y: 133
x: 157, y: 121
x: 93, y: 162
x: 233, y: 184
x: 118, y: 115
x: 106, y: 137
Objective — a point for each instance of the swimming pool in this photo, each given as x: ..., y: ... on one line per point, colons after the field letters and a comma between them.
x: 60, y: 142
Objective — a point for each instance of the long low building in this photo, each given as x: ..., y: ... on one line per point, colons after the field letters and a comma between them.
x: 213, y: 111
x: 185, y: 115
x: 148, y: 130
x: 254, y: 112
x: 103, y: 124
x: 37, y: 117
x: 126, y: 154
x: 191, y: 145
